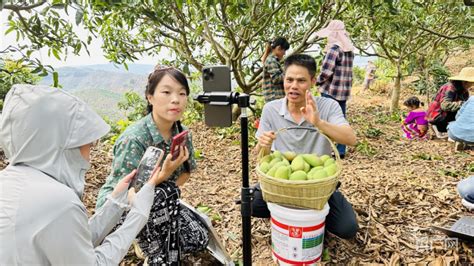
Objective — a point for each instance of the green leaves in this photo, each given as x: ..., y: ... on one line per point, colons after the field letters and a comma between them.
x: 397, y: 31
x: 79, y: 16
x: 15, y: 72
x: 55, y: 79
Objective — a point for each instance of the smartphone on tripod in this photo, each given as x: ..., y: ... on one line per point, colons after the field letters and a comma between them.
x: 217, y: 79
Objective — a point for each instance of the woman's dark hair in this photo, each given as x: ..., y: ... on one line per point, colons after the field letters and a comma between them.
x: 413, y: 102
x: 157, y: 75
x: 282, y: 42
x: 458, y: 85
x: 278, y: 41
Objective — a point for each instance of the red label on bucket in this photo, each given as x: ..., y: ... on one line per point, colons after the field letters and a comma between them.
x: 297, y: 244
x: 295, y: 232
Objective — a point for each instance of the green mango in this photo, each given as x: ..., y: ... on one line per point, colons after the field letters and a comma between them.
x: 313, y: 170
x: 274, y: 161
x: 272, y: 171
x: 307, y: 167
x: 298, y: 175
x: 277, y: 154
x: 278, y: 164
x: 285, y: 161
x: 331, y: 169
x: 289, y: 155
x: 309, y: 175
x: 264, y: 167
x: 319, y: 174
x: 313, y: 160
x: 317, y: 168
x: 267, y: 158
x: 329, y: 162
x: 283, y: 172
x: 204, y: 209
x: 324, y: 157
x: 297, y: 163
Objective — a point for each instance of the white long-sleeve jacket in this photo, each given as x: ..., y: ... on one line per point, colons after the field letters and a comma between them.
x: 42, y: 218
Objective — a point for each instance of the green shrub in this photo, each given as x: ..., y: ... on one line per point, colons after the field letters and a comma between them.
x: 14, y: 72
x: 437, y: 76
x: 358, y: 75
x: 385, y: 71
x: 365, y: 148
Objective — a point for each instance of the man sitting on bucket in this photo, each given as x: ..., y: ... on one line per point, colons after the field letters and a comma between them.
x: 300, y: 108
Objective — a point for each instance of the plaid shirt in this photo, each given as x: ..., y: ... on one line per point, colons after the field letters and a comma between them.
x: 272, y: 79
x: 336, y: 74
x: 452, y: 98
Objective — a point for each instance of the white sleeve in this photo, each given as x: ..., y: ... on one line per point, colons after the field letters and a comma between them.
x: 67, y: 240
x: 106, y: 217
x: 265, y: 123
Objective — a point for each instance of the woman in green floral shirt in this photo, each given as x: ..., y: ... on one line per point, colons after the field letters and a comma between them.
x: 171, y: 230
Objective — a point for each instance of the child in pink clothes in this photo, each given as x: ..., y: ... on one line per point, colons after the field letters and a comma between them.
x: 415, y: 125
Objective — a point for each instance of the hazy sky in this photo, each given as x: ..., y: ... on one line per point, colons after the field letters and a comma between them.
x: 96, y: 54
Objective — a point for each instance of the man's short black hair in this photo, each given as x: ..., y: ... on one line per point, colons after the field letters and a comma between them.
x: 303, y: 60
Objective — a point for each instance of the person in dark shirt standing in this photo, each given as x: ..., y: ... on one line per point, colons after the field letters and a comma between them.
x: 335, y: 78
x: 272, y: 71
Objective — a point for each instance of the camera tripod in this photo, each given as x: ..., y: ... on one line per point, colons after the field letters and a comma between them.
x: 246, y: 194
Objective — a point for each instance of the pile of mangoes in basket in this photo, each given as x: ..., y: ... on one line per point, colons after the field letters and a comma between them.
x: 292, y: 166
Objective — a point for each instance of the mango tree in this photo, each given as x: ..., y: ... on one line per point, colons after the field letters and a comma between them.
x: 396, y: 31
x: 38, y: 24
x: 197, y: 33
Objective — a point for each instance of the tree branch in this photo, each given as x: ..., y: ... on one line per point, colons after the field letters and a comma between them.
x: 460, y: 36
x: 19, y: 8
x: 34, y: 34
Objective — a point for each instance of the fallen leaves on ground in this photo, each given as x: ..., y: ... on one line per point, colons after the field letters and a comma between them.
x: 398, y: 188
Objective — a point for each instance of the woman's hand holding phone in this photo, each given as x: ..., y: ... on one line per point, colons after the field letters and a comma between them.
x: 169, y: 166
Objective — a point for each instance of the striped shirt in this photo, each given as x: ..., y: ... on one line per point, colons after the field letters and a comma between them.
x: 272, y: 79
x: 335, y: 78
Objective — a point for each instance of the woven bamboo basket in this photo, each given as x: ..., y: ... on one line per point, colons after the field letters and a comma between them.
x: 306, y: 194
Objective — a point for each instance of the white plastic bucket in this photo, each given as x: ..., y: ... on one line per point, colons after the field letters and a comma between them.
x: 297, y: 234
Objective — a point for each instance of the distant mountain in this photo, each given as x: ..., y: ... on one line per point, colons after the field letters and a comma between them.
x: 102, y: 86
x: 132, y: 68
x: 103, y: 76
x: 104, y: 102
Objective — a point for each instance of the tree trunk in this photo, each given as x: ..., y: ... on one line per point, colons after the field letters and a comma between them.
x: 428, y: 84
x: 396, y: 90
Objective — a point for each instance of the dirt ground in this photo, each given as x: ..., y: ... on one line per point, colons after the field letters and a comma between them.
x: 398, y: 189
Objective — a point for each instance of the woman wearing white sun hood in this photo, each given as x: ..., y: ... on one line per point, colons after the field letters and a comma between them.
x: 46, y: 134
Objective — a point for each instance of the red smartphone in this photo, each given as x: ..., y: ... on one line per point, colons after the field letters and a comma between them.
x: 178, y: 142
x: 146, y: 168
